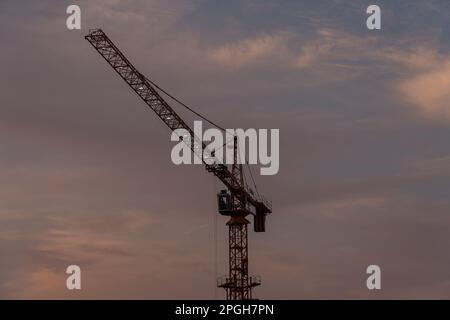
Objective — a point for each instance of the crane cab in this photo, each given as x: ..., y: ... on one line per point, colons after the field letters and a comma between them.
x: 224, y: 203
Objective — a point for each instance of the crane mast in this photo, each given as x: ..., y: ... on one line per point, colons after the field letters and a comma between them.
x: 237, y: 201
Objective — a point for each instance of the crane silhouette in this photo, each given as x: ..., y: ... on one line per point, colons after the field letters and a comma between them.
x: 236, y: 201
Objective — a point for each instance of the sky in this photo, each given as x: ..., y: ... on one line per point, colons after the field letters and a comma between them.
x: 364, y: 118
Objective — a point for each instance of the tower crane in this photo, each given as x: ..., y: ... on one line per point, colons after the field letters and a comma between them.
x: 237, y: 201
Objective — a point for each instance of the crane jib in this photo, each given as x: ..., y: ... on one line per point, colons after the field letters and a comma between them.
x: 143, y: 88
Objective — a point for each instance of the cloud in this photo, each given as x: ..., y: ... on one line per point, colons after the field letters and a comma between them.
x: 418, y: 58
x: 251, y: 51
x: 422, y: 79
x: 429, y: 91
x: 310, y: 54
x: 287, y: 50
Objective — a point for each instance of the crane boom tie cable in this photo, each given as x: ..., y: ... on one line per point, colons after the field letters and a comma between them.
x: 251, y: 175
x: 183, y: 104
x: 204, y: 118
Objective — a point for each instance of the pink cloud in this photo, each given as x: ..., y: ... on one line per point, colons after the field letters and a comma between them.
x: 429, y: 91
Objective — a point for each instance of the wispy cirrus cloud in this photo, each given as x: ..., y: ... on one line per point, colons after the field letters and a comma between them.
x: 257, y: 50
x: 290, y: 51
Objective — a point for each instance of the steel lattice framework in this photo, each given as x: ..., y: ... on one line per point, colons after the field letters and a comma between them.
x: 238, y: 284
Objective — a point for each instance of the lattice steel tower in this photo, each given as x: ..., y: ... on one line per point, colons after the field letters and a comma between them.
x: 238, y: 284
